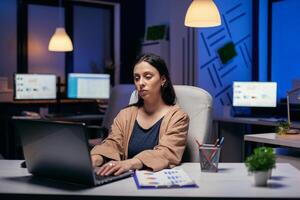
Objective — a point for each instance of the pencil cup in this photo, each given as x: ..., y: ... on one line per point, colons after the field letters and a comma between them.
x: 209, y: 157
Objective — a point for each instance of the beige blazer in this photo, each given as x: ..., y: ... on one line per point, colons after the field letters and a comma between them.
x: 170, y: 148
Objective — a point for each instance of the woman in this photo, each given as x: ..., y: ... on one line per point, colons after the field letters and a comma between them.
x: 149, y: 134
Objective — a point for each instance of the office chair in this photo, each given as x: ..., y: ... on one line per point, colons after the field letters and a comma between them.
x: 119, y: 98
x: 197, y: 103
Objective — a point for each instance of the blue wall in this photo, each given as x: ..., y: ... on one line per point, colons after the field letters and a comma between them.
x: 285, y: 44
x: 263, y: 41
x: 236, y: 27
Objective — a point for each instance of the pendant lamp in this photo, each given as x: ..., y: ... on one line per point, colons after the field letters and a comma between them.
x: 60, y: 41
x: 202, y: 13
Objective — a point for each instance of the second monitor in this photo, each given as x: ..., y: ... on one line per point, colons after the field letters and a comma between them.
x: 34, y: 86
x: 254, y: 94
x: 88, y: 86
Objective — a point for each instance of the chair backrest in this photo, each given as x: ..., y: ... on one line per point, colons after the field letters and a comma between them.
x: 119, y: 98
x: 197, y: 103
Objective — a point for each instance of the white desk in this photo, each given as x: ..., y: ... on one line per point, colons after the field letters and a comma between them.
x: 232, y: 181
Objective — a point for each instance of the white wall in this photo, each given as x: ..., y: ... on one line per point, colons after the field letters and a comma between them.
x: 183, y: 46
x: 172, y: 13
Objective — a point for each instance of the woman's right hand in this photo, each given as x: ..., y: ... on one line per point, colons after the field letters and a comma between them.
x: 97, y: 160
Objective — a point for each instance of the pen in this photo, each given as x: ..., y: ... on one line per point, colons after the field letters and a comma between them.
x: 219, y: 146
x: 199, y: 145
x: 221, y: 141
x: 216, y: 142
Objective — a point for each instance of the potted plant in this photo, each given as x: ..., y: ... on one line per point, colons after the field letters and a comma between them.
x: 282, y: 128
x: 260, y: 163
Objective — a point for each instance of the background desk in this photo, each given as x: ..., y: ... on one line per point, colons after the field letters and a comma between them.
x: 253, y: 121
x: 9, y: 140
x: 232, y: 181
x: 272, y: 138
x: 234, y: 129
x: 291, y: 155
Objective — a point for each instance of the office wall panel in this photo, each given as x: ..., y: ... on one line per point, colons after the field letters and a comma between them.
x: 236, y: 28
x: 8, y: 42
x: 194, y: 58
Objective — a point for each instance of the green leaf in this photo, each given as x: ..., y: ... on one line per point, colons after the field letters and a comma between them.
x: 262, y: 159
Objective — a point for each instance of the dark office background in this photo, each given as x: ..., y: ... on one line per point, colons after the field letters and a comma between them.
x: 261, y: 54
x: 264, y: 34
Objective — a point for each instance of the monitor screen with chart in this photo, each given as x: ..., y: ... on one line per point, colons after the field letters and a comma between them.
x: 88, y: 86
x: 34, y: 86
x: 254, y: 94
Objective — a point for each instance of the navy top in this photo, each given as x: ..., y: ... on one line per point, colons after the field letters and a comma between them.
x: 142, y: 139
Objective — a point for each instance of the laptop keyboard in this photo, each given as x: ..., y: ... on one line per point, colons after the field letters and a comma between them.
x: 107, y: 179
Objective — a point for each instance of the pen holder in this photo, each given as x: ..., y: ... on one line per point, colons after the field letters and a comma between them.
x: 209, y: 157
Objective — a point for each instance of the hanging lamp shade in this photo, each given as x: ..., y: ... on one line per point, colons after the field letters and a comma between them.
x: 60, y: 41
x: 202, y: 13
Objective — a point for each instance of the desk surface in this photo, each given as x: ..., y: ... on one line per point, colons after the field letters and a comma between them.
x: 254, y: 121
x: 272, y: 138
x: 232, y: 180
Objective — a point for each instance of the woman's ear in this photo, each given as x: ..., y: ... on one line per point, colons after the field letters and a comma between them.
x: 163, y: 80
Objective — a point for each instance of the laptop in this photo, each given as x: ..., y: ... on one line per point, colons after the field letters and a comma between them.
x: 59, y: 150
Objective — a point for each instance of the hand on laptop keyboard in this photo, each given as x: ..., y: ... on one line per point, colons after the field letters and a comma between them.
x: 97, y: 160
x: 107, y: 179
x: 119, y: 167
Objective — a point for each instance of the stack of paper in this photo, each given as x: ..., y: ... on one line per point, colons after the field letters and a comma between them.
x: 163, y: 178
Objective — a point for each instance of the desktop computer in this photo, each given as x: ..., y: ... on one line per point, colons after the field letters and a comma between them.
x: 88, y: 86
x: 255, y: 99
x: 35, y: 87
x: 254, y: 94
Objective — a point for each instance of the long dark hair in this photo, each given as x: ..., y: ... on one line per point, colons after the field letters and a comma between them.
x: 167, y: 91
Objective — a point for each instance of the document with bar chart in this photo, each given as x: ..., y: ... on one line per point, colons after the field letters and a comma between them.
x: 166, y: 178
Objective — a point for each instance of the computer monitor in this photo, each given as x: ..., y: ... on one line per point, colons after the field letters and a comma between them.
x: 254, y: 94
x: 88, y: 86
x: 34, y: 86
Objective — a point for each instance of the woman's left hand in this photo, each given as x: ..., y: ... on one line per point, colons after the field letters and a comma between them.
x: 119, y: 167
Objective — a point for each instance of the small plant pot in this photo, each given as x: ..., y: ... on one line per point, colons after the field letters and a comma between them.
x: 261, y: 178
x: 269, y: 173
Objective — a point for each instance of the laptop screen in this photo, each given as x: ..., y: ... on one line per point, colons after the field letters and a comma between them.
x: 57, y: 150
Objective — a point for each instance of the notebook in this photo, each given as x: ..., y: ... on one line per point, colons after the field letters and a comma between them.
x: 59, y: 150
x: 166, y: 178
